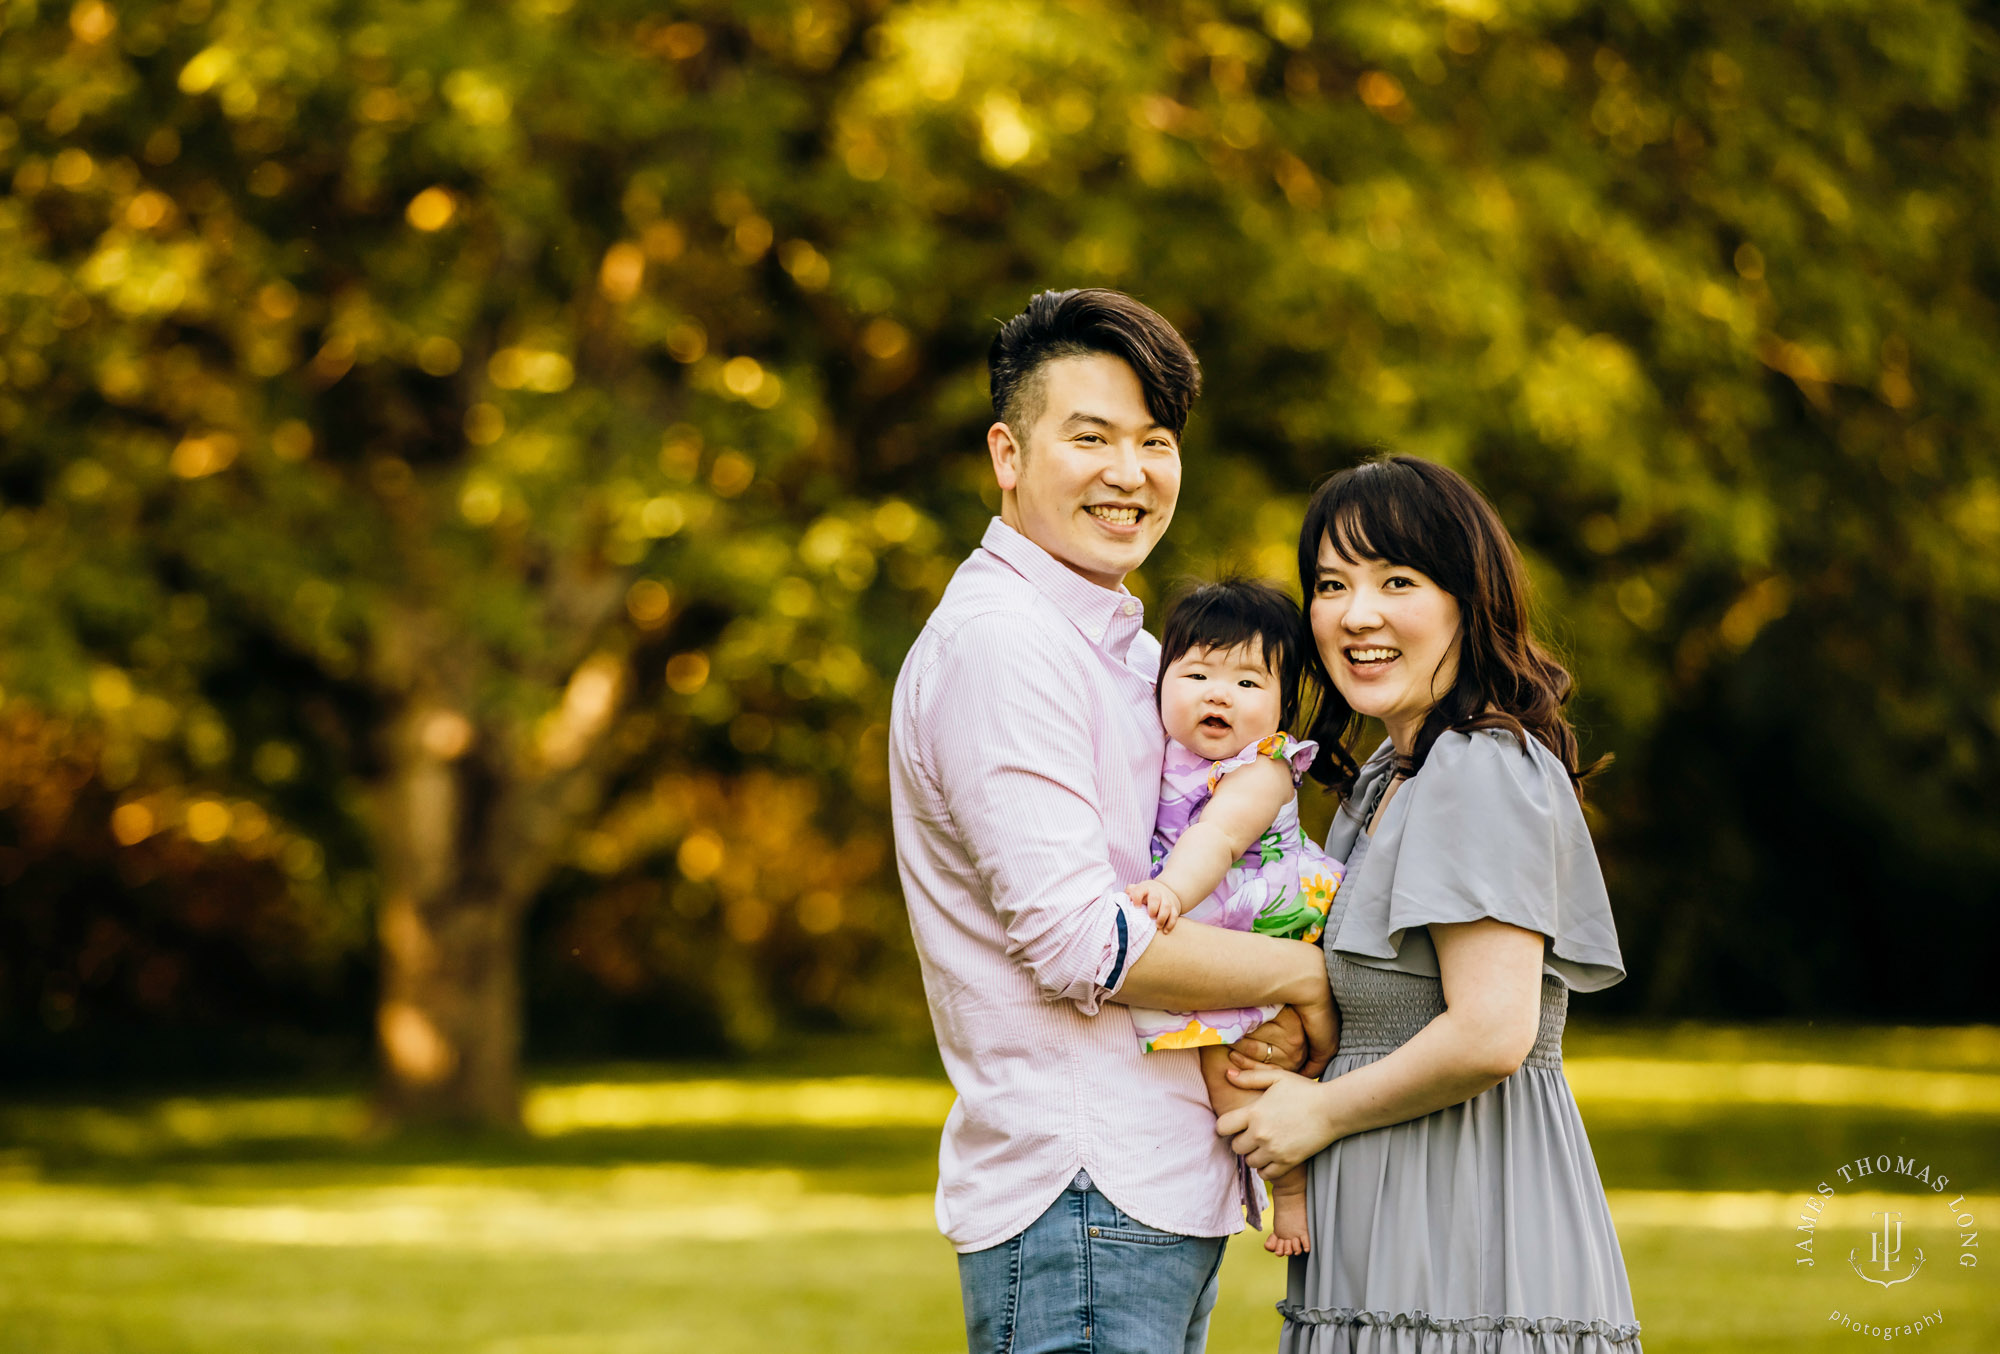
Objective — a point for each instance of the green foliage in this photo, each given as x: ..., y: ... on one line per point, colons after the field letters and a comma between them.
x: 370, y: 356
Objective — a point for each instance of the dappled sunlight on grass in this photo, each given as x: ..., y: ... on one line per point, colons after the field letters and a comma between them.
x: 1714, y: 1085
x: 648, y: 1211
x: 1969, y: 1048
x: 825, y: 1101
x: 617, y: 1208
x: 1946, y: 1072
x: 1747, y: 1210
x: 147, y: 1129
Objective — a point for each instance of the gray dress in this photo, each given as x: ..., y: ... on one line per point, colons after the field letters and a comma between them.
x: 1481, y: 1228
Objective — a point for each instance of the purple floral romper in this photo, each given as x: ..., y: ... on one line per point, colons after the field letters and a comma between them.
x: 1282, y: 886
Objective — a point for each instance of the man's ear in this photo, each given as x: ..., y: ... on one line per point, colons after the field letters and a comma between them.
x: 1006, y: 453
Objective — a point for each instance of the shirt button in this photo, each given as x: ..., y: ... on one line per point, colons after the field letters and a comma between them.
x: 1131, y: 607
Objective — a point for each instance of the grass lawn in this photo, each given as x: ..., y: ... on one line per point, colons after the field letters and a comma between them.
x: 1696, y: 1291
x: 770, y: 1212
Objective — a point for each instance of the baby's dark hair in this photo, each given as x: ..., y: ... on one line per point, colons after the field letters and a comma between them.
x: 1236, y: 611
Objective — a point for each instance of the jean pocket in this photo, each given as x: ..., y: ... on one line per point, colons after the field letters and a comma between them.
x: 1133, y: 1232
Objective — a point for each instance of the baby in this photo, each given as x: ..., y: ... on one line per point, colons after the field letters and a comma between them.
x: 1227, y: 848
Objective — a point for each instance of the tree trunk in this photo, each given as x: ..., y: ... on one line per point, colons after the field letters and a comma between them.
x: 466, y: 836
x: 449, y: 1022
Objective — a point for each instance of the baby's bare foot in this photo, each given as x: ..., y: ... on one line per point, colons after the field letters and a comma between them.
x: 1290, y: 1234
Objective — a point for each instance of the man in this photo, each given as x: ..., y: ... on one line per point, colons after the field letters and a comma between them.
x: 1081, y: 1181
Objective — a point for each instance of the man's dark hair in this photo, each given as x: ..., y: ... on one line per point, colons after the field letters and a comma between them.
x: 1236, y: 611
x: 1076, y: 323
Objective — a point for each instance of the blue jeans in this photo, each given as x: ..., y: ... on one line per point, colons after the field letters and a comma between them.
x: 1088, y: 1278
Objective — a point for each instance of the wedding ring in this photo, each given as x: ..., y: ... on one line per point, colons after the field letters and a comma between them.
x: 1266, y: 1056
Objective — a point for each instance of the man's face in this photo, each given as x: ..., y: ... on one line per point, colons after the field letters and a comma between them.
x: 1096, y: 484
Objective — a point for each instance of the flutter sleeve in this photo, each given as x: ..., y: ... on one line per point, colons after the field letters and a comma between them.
x: 1280, y: 747
x: 1485, y: 829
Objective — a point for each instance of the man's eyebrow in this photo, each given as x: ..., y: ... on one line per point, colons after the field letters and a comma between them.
x: 1080, y: 417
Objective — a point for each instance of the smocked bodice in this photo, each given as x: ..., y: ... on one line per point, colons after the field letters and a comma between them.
x: 1381, y: 1009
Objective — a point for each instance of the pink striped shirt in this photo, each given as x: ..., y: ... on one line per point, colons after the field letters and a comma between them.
x: 1024, y: 769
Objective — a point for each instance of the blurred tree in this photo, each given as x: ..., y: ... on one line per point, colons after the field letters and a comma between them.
x: 463, y: 454
x: 380, y: 416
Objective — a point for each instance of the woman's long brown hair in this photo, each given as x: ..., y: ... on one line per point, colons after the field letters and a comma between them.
x: 1412, y: 512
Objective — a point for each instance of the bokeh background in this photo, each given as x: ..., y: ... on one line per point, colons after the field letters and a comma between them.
x: 469, y: 474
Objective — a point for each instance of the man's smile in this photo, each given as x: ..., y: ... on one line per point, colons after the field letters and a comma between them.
x: 1117, y: 515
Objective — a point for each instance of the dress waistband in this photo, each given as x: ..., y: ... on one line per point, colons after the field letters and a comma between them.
x: 1549, y: 1058
x: 1383, y: 1009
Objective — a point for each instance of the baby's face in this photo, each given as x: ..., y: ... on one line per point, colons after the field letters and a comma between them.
x: 1219, y: 701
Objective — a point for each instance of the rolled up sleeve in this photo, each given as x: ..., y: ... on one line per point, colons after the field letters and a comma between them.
x: 1012, y: 759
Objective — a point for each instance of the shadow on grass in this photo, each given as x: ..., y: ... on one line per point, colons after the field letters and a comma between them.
x: 874, y: 1160
x: 1786, y: 1149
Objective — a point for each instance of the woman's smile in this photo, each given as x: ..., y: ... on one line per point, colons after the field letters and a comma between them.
x: 1373, y: 659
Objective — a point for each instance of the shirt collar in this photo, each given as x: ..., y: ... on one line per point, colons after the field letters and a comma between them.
x: 1107, y: 618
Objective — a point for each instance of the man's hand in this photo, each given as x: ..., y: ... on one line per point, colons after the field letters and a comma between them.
x: 1278, y: 1042
x: 1322, y: 1028
x: 1282, y: 1127
x: 1160, y: 902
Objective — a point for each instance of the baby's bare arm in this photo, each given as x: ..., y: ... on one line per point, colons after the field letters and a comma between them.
x: 1246, y: 803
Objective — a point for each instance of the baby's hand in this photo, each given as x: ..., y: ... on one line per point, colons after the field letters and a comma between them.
x: 1161, y: 903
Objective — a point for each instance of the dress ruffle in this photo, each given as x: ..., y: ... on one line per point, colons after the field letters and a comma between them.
x: 1279, y: 747
x: 1324, y: 1329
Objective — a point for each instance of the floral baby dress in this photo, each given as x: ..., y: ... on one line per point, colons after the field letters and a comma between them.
x: 1282, y: 886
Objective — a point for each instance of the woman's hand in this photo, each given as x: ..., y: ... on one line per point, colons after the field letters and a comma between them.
x: 1492, y: 978
x: 1287, y: 1124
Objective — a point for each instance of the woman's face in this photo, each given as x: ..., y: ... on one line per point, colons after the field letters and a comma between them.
x: 1388, y: 635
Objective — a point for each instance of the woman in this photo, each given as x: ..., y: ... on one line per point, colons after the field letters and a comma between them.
x: 1455, y: 1206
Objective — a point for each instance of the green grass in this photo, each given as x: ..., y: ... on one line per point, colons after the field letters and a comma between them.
x: 784, y: 1218
x: 1696, y: 1291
